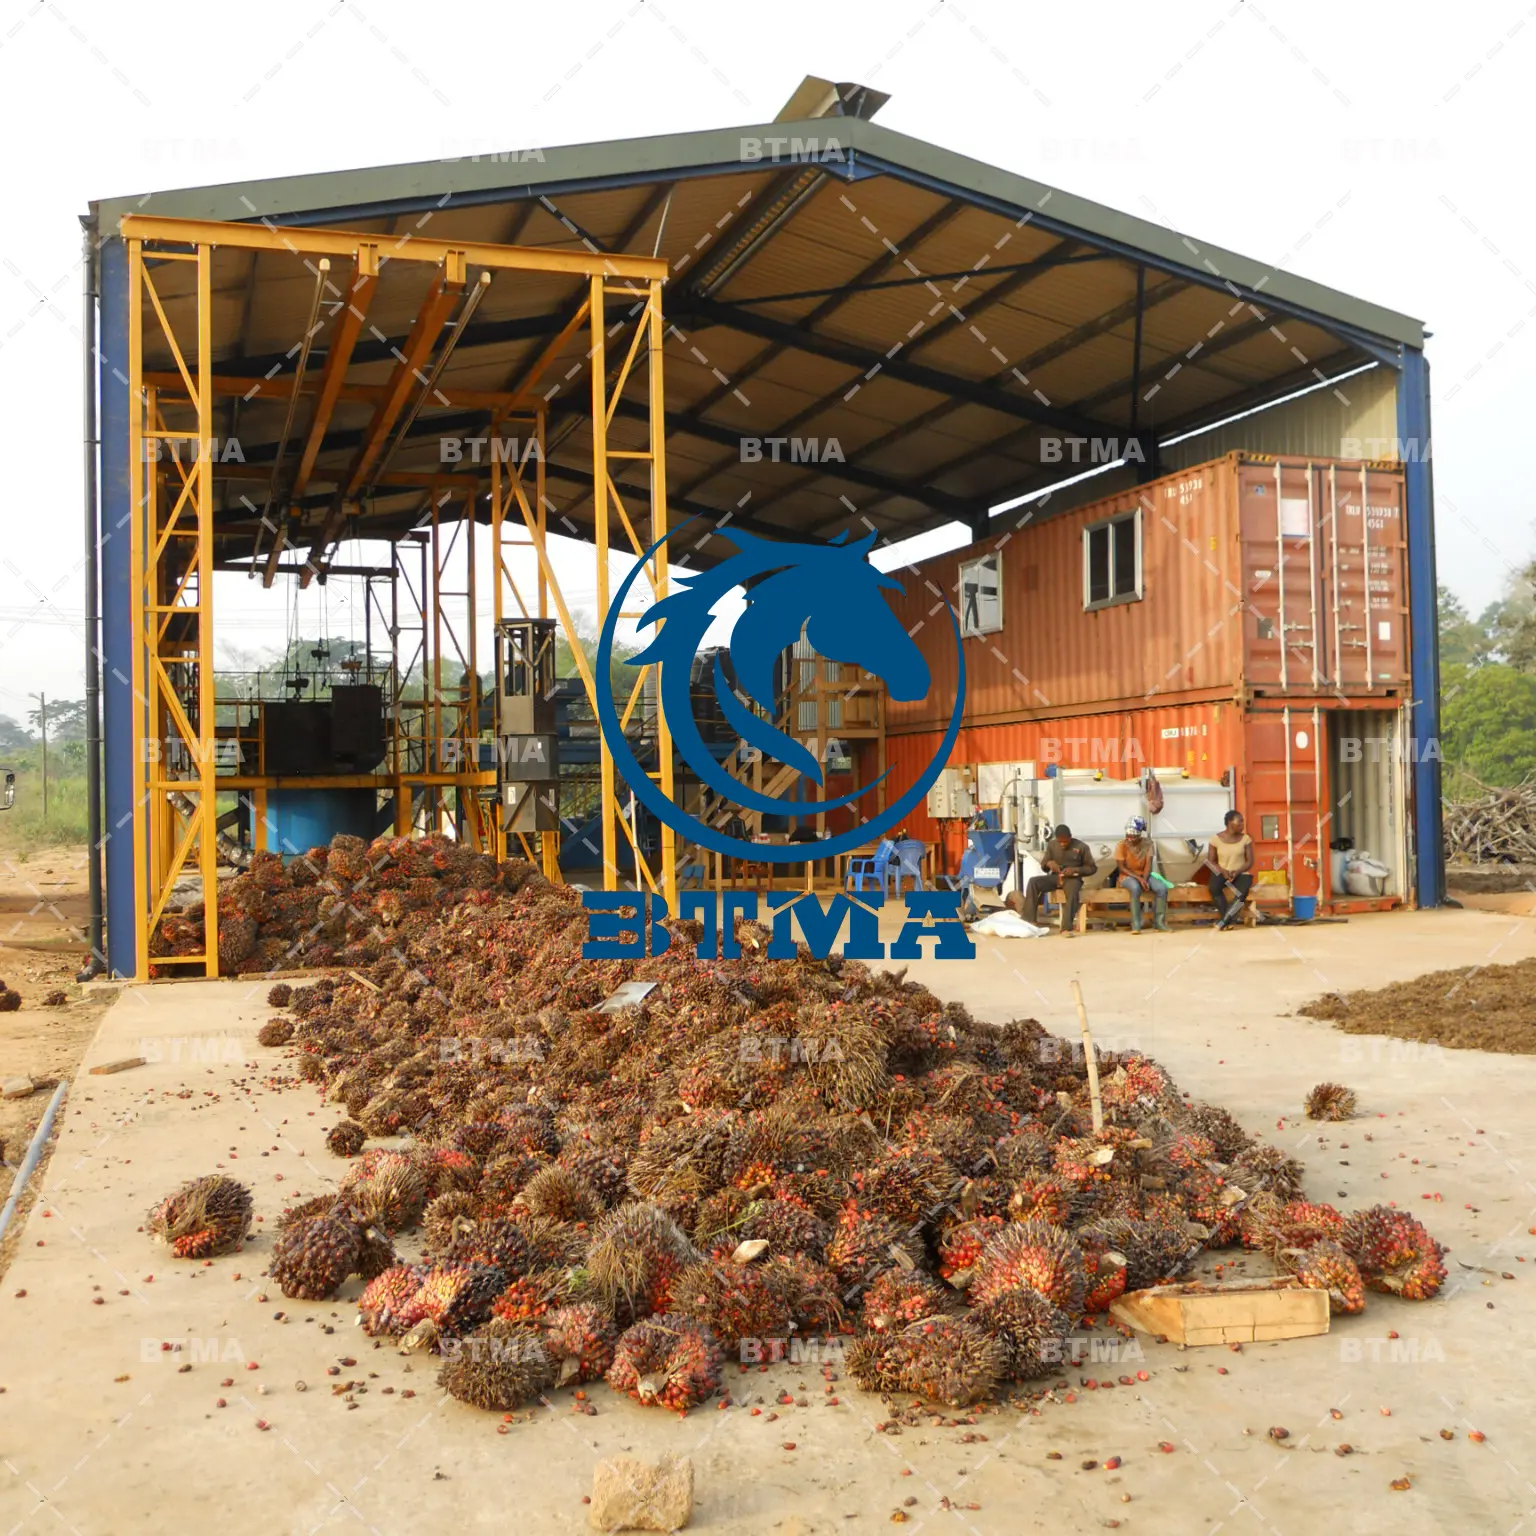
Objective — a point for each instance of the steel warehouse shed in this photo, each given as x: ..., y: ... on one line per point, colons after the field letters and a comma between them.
x: 859, y: 330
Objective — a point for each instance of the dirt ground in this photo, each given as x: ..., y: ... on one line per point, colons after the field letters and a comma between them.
x: 114, y: 1359
x: 44, y: 909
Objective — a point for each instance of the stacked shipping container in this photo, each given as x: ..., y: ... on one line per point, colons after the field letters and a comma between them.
x: 1247, y: 616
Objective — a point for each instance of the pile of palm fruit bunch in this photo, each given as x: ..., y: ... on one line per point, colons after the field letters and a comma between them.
x: 757, y: 1151
x: 338, y: 906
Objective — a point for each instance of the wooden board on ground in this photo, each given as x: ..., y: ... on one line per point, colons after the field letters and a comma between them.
x: 1235, y: 1312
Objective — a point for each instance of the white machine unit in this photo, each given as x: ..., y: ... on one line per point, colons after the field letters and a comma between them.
x: 953, y: 796
x: 1098, y: 809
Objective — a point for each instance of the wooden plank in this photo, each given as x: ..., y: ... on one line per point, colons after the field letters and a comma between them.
x: 1236, y: 1313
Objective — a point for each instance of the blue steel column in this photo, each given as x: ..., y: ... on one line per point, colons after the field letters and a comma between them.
x: 116, y: 611
x: 1424, y: 616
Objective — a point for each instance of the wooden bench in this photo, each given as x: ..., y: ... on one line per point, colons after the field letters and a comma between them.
x: 1186, y: 903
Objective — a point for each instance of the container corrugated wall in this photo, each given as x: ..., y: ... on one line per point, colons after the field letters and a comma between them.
x: 1225, y: 547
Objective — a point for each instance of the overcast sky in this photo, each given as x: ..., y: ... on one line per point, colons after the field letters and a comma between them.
x: 1382, y: 148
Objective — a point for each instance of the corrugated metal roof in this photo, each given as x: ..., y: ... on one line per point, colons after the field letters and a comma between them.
x: 935, y: 318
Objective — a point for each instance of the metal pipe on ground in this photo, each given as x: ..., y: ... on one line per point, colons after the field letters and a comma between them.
x: 34, y: 1154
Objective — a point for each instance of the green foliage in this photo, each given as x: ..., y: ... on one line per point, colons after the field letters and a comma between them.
x: 23, y: 827
x: 1464, y: 641
x: 1488, y: 722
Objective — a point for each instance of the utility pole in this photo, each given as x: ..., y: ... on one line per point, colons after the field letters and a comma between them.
x: 42, y: 719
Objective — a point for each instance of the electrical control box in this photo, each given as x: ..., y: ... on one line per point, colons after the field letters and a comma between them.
x: 953, y: 796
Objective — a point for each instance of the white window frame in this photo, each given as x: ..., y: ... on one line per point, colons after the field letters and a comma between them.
x: 1090, y: 603
x: 968, y: 631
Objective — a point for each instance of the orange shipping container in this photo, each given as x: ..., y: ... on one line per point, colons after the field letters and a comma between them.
x: 1248, y: 575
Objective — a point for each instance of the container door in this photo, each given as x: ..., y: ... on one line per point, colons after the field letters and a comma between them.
x: 1365, y: 634
x: 1279, y: 517
x: 1283, y: 795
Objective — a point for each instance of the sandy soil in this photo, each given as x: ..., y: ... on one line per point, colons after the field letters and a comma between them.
x: 44, y: 909
x: 103, y: 1428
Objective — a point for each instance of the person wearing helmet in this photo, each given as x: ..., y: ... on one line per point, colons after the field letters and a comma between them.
x: 1133, y: 861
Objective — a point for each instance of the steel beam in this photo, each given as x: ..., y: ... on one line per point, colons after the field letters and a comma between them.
x: 302, y: 241
x: 973, y: 391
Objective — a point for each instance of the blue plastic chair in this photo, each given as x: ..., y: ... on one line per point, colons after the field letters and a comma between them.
x: 908, y: 865
x: 871, y: 869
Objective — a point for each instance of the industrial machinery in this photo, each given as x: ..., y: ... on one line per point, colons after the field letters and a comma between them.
x: 527, y: 738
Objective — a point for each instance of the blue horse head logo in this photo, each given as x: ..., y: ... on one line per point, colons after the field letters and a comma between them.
x: 832, y: 595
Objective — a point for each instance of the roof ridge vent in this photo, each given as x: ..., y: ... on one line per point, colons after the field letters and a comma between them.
x: 815, y: 97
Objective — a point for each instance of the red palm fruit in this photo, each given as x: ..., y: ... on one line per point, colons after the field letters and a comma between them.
x: 387, y: 1301
x: 1039, y: 1197
x: 581, y: 1338
x: 960, y: 1245
x: 1326, y: 1267
x: 900, y: 1297
x: 1033, y: 1255
x: 865, y: 1241
x: 1395, y: 1252
x: 667, y: 1360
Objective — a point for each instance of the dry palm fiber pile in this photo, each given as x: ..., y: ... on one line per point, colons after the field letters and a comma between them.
x: 762, y: 1150
x: 339, y: 906
x: 1476, y: 1007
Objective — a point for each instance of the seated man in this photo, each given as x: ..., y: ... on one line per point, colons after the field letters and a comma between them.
x: 1133, y: 860
x: 1230, y: 861
x: 1067, y: 864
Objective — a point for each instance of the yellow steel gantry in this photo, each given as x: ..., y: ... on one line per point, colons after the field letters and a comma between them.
x: 177, y: 778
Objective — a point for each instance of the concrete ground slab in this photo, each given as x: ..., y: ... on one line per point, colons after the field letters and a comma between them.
x: 102, y: 1430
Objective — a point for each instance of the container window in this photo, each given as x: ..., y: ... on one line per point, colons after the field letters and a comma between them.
x: 981, y: 595
x: 1112, y: 561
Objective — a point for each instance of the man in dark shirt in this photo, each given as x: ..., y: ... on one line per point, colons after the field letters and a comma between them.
x: 1067, y: 864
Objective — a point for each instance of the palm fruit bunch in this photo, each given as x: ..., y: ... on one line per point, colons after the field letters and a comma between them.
x: 1032, y: 1330
x: 788, y: 1225
x: 903, y: 1296
x: 1156, y: 1252
x: 275, y: 1032
x: 667, y: 1360
x: 864, y: 1242
x: 444, y: 1215
x: 1029, y: 1254
x: 1214, y: 1123
x: 206, y: 1216
x: 387, y: 1188
x: 581, y: 1338
x: 279, y: 994
x: 907, y: 1186
x: 810, y: 1291
x: 1216, y: 1204
x: 1040, y: 1197
x: 952, y: 1360
x: 346, y: 1139
x: 499, y: 1367
x: 314, y: 1256
x: 1135, y: 1086
x: 558, y: 1193
x: 946, y: 1359
x: 602, y: 1169
x: 1266, y: 1167
x: 508, y: 1245
x: 388, y: 1306
x: 503, y: 1178
x: 1395, y: 1252
x: 1326, y: 1267
x: 636, y: 1254
x: 1330, y: 1101
x: 459, y: 1297
x: 961, y: 1242
x: 529, y: 1297
x: 734, y: 1301
x: 1106, y: 1269
x: 448, y: 1168
x: 1271, y: 1224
